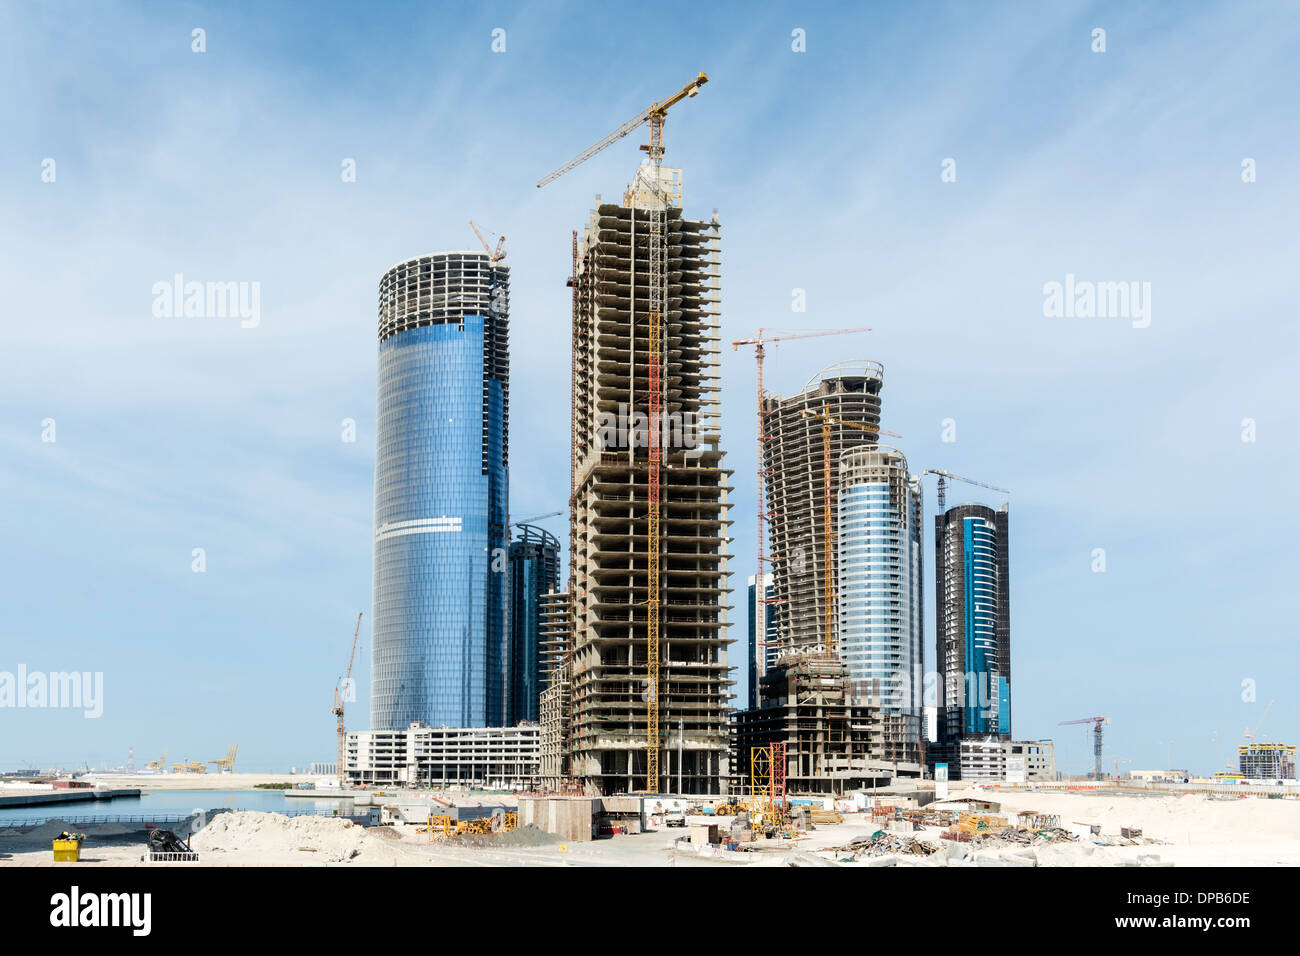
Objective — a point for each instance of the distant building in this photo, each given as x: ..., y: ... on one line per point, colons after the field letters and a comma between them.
x: 438, y: 652
x: 762, y: 636
x: 424, y: 756
x: 993, y: 760
x: 534, y: 573
x: 973, y: 622
x: 1267, y: 761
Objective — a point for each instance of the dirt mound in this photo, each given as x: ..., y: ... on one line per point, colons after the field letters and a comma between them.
x: 527, y: 836
x: 276, y: 835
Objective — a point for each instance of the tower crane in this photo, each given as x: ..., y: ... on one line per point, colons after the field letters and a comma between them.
x: 532, y: 518
x: 655, y: 115
x: 828, y: 634
x: 340, y: 701
x: 759, y: 341
x: 944, y: 476
x: 1247, y: 734
x: 494, y: 256
x: 495, y: 299
x: 1097, y: 723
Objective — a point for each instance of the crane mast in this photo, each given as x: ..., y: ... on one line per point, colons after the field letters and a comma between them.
x: 340, y: 702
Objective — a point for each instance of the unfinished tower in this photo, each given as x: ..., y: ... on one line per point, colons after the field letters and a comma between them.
x: 794, y: 461
x: 612, y: 683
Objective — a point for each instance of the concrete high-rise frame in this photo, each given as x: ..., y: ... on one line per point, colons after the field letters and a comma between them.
x: 609, y: 516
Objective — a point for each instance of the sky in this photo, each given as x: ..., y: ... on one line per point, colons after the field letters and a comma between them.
x: 1167, y: 159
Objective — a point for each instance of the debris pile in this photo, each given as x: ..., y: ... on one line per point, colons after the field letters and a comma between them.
x: 881, y: 843
x: 1023, y: 836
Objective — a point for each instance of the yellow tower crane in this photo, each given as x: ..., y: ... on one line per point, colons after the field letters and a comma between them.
x: 655, y: 115
x: 494, y: 256
x: 828, y: 535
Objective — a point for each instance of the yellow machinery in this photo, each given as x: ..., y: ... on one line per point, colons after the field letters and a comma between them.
x: 828, y: 535
x: 438, y: 826
x: 160, y: 764
x: 67, y: 847
x: 226, y: 764
x: 655, y: 115
x: 479, y: 826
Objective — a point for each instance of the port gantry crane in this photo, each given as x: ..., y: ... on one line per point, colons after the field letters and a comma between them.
x: 341, y: 699
x: 829, y: 636
x: 655, y: 115
x: 759, y: 341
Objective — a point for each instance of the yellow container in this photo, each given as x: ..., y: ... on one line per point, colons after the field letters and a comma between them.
x: 67, y: 851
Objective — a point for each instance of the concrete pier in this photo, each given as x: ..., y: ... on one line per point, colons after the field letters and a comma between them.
x: 38, y: 798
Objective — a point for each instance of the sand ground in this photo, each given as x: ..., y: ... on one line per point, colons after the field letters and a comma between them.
x: 1182, y: 830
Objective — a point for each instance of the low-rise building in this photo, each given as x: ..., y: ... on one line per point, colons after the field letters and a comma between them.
x: 423, y: 756
x: 992, y: 760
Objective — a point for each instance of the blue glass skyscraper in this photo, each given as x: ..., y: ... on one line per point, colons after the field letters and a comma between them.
x: 438, y: 653
x: 534, y: 572
x: 972, y: 603
x: 880, y: 588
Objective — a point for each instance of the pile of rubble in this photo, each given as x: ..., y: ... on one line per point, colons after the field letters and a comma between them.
x: 1021, y: 836
x: 881, y: 843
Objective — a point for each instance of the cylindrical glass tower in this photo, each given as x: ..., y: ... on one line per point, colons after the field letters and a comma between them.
x: 534, y: 572
x: 880, y: 596
x: 439, y: 645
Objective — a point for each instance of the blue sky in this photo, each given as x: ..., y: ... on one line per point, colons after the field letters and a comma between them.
x: 825, y: 167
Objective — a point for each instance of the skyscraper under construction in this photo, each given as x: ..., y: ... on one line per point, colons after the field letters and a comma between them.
x: 622, y: 374
x: 845, y: 396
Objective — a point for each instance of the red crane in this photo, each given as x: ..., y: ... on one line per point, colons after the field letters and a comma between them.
x: 340, y: 700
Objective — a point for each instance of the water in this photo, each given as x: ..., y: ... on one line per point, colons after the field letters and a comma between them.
x: 176, y: 803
